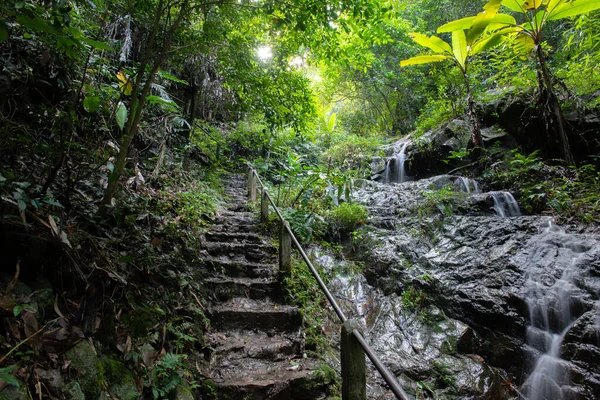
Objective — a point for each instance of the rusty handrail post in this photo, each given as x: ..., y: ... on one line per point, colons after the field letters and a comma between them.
x: 354, y: 368
x: 264, y: 205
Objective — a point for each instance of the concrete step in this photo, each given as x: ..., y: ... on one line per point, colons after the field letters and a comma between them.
x: 243, y: 313
x: 227, y: 288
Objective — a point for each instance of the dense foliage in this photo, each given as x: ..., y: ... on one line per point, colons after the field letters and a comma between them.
x: 119, y: 117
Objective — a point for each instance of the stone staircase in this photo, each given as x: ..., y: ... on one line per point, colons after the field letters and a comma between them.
x: 257, y: 339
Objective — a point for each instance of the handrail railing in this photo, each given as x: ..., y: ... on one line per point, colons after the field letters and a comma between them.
x: 385, y: 373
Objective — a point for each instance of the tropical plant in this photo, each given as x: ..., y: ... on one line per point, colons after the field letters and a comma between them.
x: 482, y: 33
x: 529, y: 38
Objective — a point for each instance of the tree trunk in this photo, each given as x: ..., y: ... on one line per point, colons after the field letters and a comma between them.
x: 472, y: 114
x: 137, y: 103
x: 556, y: 124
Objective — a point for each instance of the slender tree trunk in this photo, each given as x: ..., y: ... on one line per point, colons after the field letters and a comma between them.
x: 472, y: 114
x: 549, y: 100
x: 137, y: 103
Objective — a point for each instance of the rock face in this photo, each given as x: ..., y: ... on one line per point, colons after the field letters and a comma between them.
x: 492, y: 274
x: 257, y: 338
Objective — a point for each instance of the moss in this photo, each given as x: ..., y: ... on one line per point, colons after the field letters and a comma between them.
x: 89, y: 368
x: 119, y: 378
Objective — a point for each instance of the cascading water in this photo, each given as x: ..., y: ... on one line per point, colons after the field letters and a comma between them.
x: 467, y: 185
x: 505, y: 204
x: 394, y: 168
x: 553, y: 307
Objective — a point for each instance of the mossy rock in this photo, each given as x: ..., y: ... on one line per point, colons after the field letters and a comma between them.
x: 121, y: 384
x: 89, y: 368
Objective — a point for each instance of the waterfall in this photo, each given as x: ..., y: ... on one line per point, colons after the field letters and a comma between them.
x: 467, y: 185
x: 505, y: 204
x: 550, y: 314
x: 394, y: 167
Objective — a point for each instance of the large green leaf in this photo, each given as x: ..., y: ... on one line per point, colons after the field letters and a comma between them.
x: 459, y: 46
x: 482, y: 20
x: 492, y: 40
x: 431, y: 42
x: 423, y: 60
x: 499, y: 21
x: 121, y: 115
x: 515, y: 5
x: 573, y: 8
x: 91, y: 104
x: 463, y: 23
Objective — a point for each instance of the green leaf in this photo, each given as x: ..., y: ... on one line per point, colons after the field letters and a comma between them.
x: 459, y: 45
x: 487, y: 43
x: 2, y: 178
x: 331, y: 122
x: 121, y: 115
x: 37, y: 24
x: 463, y: 23
x: 573, y: 8
x: 434, y: 43
x: 126, y: 259
x: 423, y: 60
x: 17, y: 310
x: 170, y: 77
x: 96, y: 44
x: 162, y: 101
x: 91, y: 104
x: 482, y: 20
x: 515, y: 5
x: 3, y: 31
x: 22, y: 205
x: 8, y: 378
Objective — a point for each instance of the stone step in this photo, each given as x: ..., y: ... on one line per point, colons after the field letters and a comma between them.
x: 231, y: 228
x: 233, y: 345
x: 256, y: 379
x: 233, y: 237
x: 240, y: 267
x: 234, y: 220
x: 226, y: 288
x: 253, y: 252
x: 243, y: 313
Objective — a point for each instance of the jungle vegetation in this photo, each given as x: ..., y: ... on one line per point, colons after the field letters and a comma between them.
x: 118, y: 117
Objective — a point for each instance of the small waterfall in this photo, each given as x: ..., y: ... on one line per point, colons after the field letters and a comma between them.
x: 467, y: 185
x: 505, y: 204
x: 394, y: 167
x: 550, y: 315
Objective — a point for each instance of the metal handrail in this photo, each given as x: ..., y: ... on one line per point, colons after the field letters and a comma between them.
x: 385, y: 373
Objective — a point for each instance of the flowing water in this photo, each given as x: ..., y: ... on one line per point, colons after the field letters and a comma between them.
x: 553, y: 304
x: 467, y: 185
x: 505, y: 204
x: 394, y: 168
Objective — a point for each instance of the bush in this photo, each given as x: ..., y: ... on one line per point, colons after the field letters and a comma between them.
x: 345, y: 218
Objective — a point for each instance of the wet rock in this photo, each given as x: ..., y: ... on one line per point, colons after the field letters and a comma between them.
x: 475, y: 266
x: 89, y: 369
